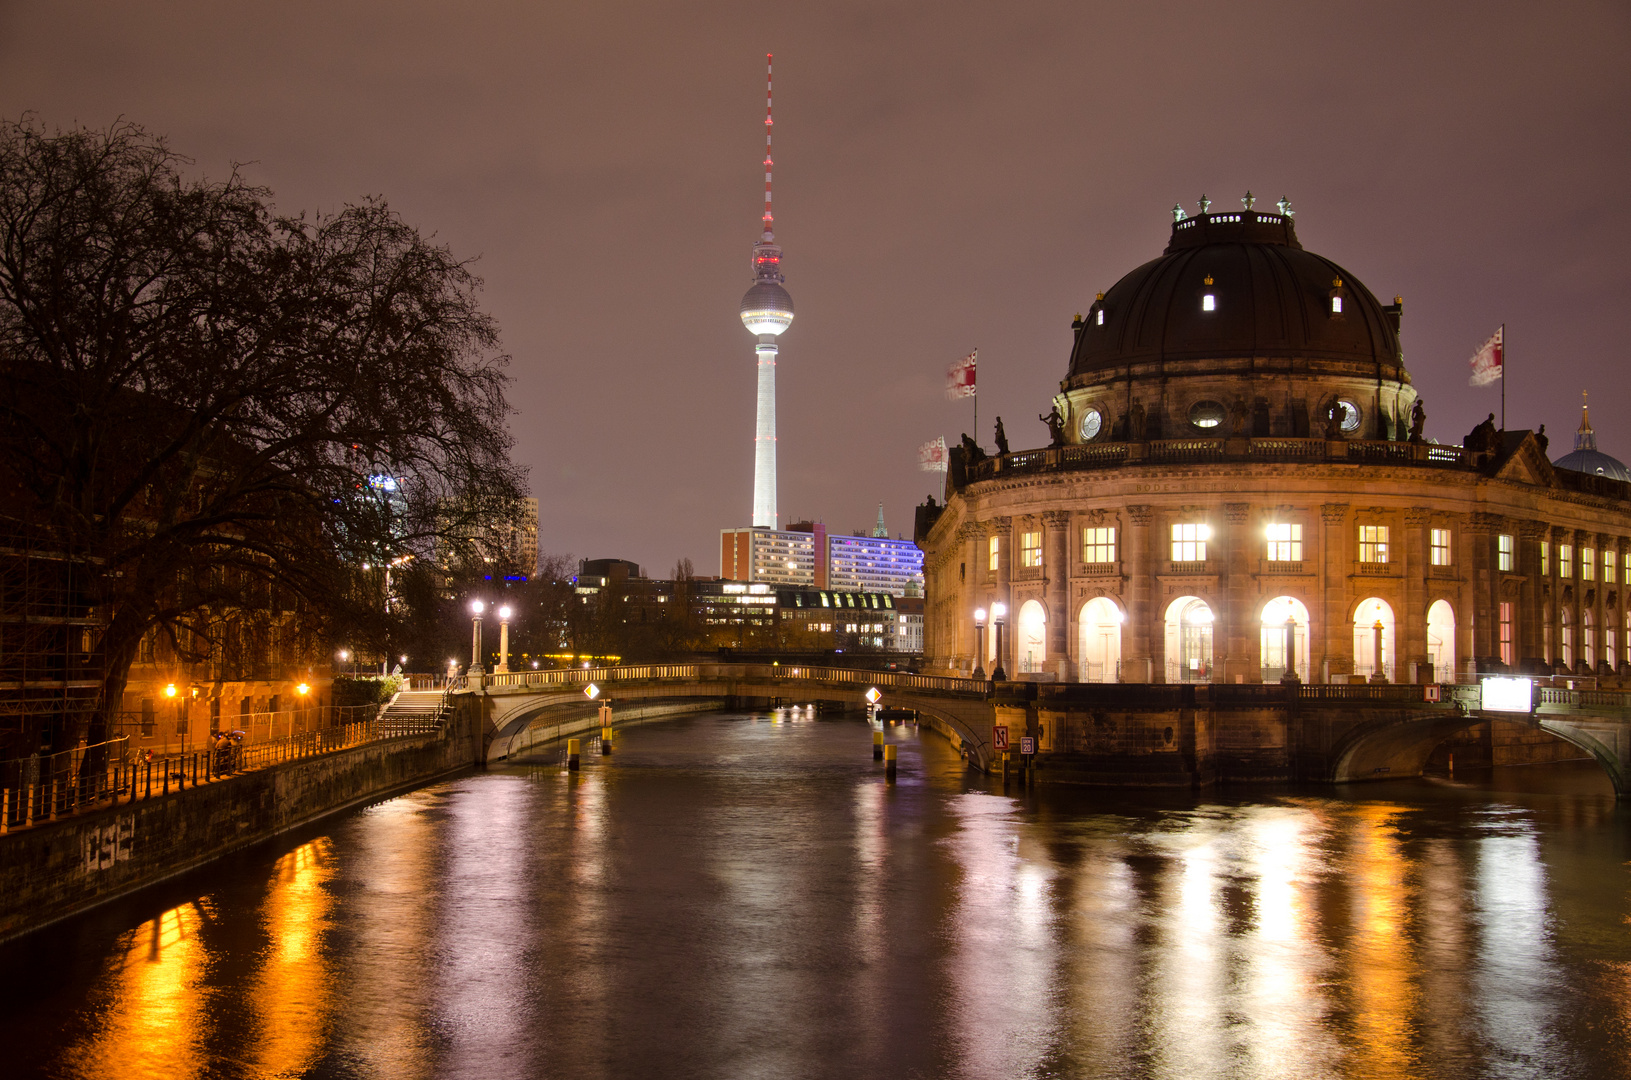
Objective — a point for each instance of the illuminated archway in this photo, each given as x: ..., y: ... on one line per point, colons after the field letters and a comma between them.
x: 1099, y: 640
x: 1031, y: 636
x: 1441, y: 640
x: 1273, y: 638
x: 1367, y: 615
x: 1189, y: 640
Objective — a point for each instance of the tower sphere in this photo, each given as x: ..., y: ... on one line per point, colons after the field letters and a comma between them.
x: 767, y: 309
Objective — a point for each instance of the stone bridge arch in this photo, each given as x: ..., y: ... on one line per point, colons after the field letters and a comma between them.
x: 1400, y: 745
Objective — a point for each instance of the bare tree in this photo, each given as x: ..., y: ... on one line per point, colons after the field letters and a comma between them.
x: 209, y: 404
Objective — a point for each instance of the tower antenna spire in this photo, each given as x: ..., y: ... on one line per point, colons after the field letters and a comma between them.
x: 770, y: 124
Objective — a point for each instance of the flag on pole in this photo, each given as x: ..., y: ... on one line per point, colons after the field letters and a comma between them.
x: 931, y: 456
x: 960, y: 377
x: 1489, y: 363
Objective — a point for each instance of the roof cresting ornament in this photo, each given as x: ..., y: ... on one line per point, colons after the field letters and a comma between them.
x: 1206, y: 204
x: 1247, y: 200
x: 1285, y: 207
x: 1178, y: 213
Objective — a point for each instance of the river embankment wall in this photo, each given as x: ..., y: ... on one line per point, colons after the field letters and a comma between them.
x: 57, y: 869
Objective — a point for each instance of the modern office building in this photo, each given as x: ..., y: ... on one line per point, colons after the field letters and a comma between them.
x: 805, y: 554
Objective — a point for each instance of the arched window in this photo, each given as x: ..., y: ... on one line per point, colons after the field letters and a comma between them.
x: 1189, y: 640
x: 1099, y: 640
x: 1373, y: 624
x: 1031, y: 636
x: 1441, y: 640
x: 1565, y: 638
x: 1273, y: 638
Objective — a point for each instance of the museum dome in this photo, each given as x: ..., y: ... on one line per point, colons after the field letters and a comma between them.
x: 1586, y: 458
x: 1237, y: 284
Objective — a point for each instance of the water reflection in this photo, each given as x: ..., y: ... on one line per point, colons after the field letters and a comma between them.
x: 145, y: 1017
x: 737, y: 897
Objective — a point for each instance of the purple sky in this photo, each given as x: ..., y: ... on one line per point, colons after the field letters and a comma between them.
x: 949, y: 175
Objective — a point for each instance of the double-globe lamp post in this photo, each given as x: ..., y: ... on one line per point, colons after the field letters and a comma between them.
x: 476, y: 608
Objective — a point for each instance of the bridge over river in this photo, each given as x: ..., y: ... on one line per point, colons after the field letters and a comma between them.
x: 1119, y: 734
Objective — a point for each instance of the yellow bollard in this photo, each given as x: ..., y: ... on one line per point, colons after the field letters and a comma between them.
x: 605, y: 741
x: 889, y: 762
x: 877, y: 746
x: 572, y: 750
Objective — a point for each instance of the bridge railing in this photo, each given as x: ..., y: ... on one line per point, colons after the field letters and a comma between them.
x: 567, y: 677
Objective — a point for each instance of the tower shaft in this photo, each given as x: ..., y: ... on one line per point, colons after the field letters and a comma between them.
x: 764, y: 437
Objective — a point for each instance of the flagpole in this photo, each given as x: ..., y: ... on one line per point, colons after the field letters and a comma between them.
x: 1503, y: 379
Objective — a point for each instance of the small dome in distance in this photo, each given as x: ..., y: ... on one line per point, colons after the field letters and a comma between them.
x: 1586, y: 458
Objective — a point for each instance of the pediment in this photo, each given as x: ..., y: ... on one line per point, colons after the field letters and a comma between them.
x: 1526, y: 463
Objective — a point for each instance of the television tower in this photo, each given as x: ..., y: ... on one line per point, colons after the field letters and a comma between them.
x: 767, y: 310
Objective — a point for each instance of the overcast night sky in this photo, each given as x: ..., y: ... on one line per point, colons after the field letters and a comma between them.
x: 949, y: 175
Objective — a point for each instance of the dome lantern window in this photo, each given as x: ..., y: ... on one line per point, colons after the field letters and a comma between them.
x: 1337, y: 295
x: 1209, y: 299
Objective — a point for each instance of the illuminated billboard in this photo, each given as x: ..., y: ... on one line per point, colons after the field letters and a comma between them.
x: 1507, y: 695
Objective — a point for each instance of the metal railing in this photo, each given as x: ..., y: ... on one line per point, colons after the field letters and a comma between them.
x: 46, y: 787
x: 1179, y: 451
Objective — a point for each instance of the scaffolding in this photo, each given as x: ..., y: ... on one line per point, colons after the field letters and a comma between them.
x: 51, y: 660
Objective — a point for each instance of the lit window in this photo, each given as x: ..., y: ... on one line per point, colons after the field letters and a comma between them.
x: 1336, y: 305
x: 1506, y: 632
x: 1099, y: 545
x: 1545, y: 557
x: 1588, y: 564
x: 1565, y: 560
x: 1030, y: 548
x: 1189, y: 542
x: 1373, y: 543
x: 1439, y: 547
x: 1100, y: 317
x: 1608, y: 569
x: 1505, y: 559
x: 995, y: 548
x: 1209, y: 302
x: 1285, y: 542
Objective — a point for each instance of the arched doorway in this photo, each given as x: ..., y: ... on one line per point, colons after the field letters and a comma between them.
x: 1441, y: 640
x: 1189, y: 640
x: 1099, y: 640
x: 1031, y: 636
x: 1273, y: 640
x: 1371, y: 612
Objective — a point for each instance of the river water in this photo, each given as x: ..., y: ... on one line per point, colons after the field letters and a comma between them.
x: 741, y: 895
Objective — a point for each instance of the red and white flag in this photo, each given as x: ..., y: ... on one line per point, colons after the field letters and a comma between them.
x: 960, y: 377
x: 1490, y: 361
x: 931, y: 456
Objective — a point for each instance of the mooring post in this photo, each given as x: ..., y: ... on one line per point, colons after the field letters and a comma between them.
x: 889, y: 762
x: 877, y: 746
x: 572, y: 749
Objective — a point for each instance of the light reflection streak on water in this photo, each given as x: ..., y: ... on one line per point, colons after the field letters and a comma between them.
x: 1102, y: 998
x: 1189, y: 981
x: 1515, y: 954
x: 151, y: 1021
x: 1003, y: 955
x: 290, y: 994
x: 393, y: 922
x: 1382, y: 972
x: 481, y: 978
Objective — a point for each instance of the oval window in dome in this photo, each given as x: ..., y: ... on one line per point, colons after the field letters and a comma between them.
x: 1348, y: 415
x: 1206, y: 414
x: 1092, y: 424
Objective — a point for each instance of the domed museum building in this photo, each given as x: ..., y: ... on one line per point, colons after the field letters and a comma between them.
x: 1238, y: 490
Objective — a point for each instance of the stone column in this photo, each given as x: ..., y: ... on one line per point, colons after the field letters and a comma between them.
x: 970, y: 579
x: 1242, y: 639
x: 1531, y: 594
x: 1138, y: 654
x: 1557, y: 587
x: 1334, y: 639
x: 1056, y: 588
x: 1601, y: 612
x: 1410, y: 625
x: 1477, y: 620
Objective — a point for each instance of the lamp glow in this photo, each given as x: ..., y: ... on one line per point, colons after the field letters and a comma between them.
x: 477, y: 607
x: 504, y: 612
x: 979, y: 616
x: 302, y: 689
x: 170, y: 690
x: 999, y: 611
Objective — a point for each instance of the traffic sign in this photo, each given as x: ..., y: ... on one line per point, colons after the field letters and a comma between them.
x: 1027, y: 746
x: 591, y: 691
x: 999, y: 737
x: 872, y: 695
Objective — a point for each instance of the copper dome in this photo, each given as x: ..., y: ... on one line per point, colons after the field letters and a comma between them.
x: 1270, y: 299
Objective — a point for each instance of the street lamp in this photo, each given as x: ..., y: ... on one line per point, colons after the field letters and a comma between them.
x: 476, y: 608
x: 979, y: 643
x: 999, y: 615
x: 503, y: 640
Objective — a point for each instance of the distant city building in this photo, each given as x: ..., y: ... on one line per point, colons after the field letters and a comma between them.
x: 804, y: 554
x: 512, y: 543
